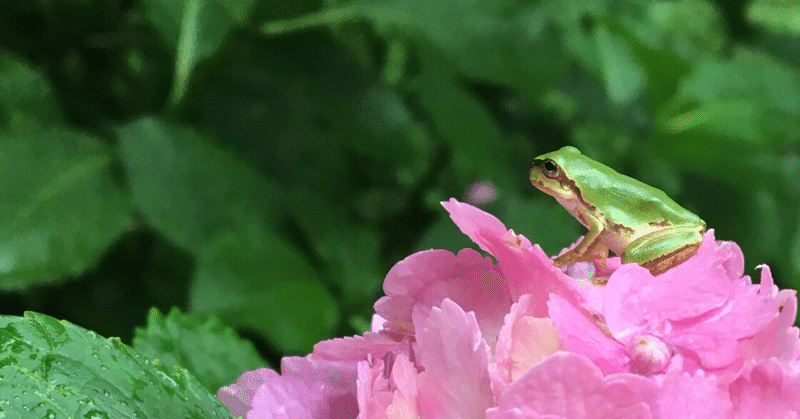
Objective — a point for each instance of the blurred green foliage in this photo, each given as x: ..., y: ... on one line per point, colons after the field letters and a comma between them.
x: 269, y: 160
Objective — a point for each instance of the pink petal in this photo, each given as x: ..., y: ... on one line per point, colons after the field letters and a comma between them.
x: 568, y: 385
x: 779, y: 338
x: 769, y: 392
x: 356, y: 348
x: 238, y: 397
x: 333, y: 382
x: 422, y: 280
x: 404, y: 378
x: 688, y: 396
x: 581, y: 335
x: 286, y: 398
x: 634, y: 298
x: 374, y: 392
x: 455, y: 383
x: 526, y: 267
x: 524, y: 342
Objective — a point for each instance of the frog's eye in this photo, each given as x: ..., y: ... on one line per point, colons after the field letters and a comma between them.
x: 550, y: 169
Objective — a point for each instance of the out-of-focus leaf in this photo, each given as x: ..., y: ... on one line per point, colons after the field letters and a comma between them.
x: 238, y: 10
x: 201, y: 23
x: 736, y: 110
x: 59, y: 207
x: 188, y: 189
x: 351, y: 252
x: 476, y: 140
x: 194, y: 29
x: 312, y: 118
x: 689, y: 28
x: 444, y: 234
x: 779, y: 16
x: 542, y: 221
x: 27, y: 103
x: 748, y: 76
x: 500, y: 42
x: 623, y: 76
x: 54, y: 369
x: 252, y: 279
x: 211, y: 351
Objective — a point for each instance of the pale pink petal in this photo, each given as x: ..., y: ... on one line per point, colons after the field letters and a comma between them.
x: 287, y: 398
x: 524, y: 342
x: 779, y: 338
x: 356, y: 348
x: 422, y: 280
x: 581, y: 335
x: 568, y: 385
x: 238, y: 397
x: 689, y: 396
x: 734, y: 261
x: 455, y: 383
x: 634, y: 298
x: 526, y: 268
x: 404, y: 378
x: 333, y: 382
x: 769, y: 392
x: 374, y: 392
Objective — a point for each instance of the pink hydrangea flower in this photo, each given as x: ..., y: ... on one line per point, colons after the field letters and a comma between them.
x: 512, y: 336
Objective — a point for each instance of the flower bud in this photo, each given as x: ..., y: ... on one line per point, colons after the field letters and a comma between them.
x: 649, y: 354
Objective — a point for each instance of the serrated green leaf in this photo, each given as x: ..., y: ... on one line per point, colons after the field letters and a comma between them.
x: 59, y: 207
x: 253, y: 279
x: 27, y: 102
x: 54, y: 369
x: 190, y: 190
x: 211, y: 351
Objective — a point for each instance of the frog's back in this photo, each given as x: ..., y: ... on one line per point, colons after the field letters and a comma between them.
x: 631, y: 202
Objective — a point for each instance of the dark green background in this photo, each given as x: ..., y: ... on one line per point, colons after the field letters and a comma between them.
x: 269, y: 160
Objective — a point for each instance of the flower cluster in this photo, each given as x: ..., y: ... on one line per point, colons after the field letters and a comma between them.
x: 467, y: 336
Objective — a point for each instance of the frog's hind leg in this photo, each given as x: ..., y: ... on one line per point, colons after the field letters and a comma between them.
x: 661, y: 250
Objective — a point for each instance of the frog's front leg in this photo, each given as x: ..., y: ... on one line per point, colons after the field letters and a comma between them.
x: 589, y: 249
x: 663, y: 249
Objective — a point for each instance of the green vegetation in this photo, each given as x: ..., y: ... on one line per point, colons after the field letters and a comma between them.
x: 268, y: 161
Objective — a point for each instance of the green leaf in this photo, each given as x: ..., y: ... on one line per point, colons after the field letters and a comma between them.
x: 190, y: 190
x: 253, y: 279
x: 200, y: 23
x: 27, y: 102
x: 779, y: 16
x: 749, y: 100
x: 54, y: 369
x: 624, y: 78
x: 211, y: 351
x: 477, y: 142
x: 59, y: 207
x: 542, y: 221
x: 237, y: 10
x: 498, y: 42
x: 194, y: 29
x: 351, y: 252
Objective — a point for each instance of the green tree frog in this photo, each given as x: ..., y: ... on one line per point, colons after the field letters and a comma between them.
x: 639, y: 223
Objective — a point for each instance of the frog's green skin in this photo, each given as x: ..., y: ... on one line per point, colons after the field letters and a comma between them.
x: 639, y: 223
